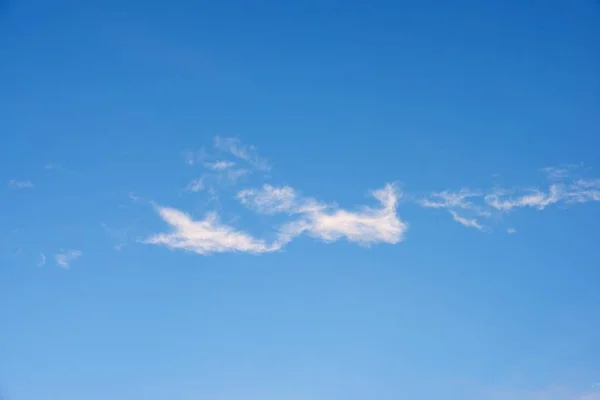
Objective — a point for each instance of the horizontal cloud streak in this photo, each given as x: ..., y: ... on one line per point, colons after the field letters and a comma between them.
x: 204, y: 236
x: 327, y: 222
x: 20, y: 184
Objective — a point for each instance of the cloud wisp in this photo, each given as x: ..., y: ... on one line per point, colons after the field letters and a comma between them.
x: 580, y: 191
x: 195, y: 186
x: 501, y: 201
x: 454, y: 202
x: 221, y: 172
x: 328, y: 222
x: 65, y: 258
x: 205, y: 236
x: 247, y: 153
x: 17, y: 184
x: 220, y: 165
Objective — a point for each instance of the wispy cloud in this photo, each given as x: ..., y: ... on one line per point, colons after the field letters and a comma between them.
x: 194, y: 157
x: 562, y: 172
x: 17, y: 184
x: 220, y: 165
x: 366, y: 225
x: 269, y: 199
x: 455, y: 201
x: 195, y: 186
x: 468, y: 222
x: 248, y: 153
x: 327, y: 222
x: 65, y: 258
x: 498, y: 201
x: 580, y: 191
x: 448, y: 199
x: 205, y: 236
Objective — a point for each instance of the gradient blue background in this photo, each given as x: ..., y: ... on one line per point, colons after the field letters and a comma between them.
x: 341, y: 97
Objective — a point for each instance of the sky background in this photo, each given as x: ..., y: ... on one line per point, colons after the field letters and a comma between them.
x: 263, y: 200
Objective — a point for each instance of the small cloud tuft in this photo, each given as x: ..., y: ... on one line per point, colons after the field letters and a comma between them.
x: 65, y: 258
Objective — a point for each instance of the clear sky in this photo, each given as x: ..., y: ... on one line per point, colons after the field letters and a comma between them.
x: 324, y: 200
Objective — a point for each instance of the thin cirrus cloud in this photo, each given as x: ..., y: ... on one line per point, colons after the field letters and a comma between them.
x: 580, y: 191
x: 17, y: 184
x: 566, y: 189
x: 454, y: 202
x: 220, y: 165
x: 247, y: 153
x: 327, y: 222
x: 65, y: 258
x: 195, y: 186
x: 468, y: 222
x: 220, y: 171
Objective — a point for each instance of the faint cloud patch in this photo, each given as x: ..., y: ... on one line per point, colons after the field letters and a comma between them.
x: 65, y: 258
x: 220, y: 165
x: 19, y: 184
x: 41, y: 260
x: 195, y: 186
x: 247, y: 153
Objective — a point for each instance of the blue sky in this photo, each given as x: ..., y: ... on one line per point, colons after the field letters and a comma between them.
x: 310, y: 200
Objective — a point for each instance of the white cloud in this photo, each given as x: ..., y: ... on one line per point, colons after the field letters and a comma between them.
x: 562, y: 172
x: 195, y: 186
x: 469, y: 223
x: 220, y: 165
x: 511, y: 230
x: 328, y: 222
x: 448, y: 199
x: 20, y: 184
x: 133, y: 197
x: 193, y: 157
x: 453, y: 201
x: 269, y: 199
x: 232, y: 175
x: 244, y: 152
x: 534, y: 198
x: 65, y: 258
x: 581, y: 191
x: 205, y: 236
